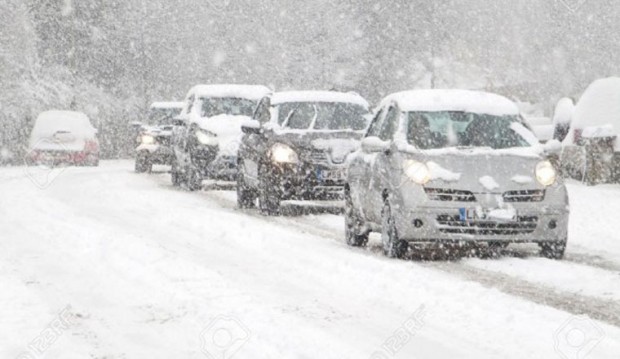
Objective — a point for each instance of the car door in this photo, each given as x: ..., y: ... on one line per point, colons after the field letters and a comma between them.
x: 252, y: 147
x: 361, y: 174
x: 380, y: 171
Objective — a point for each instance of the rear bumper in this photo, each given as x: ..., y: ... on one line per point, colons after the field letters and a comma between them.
x: 61, y: 157
x: 157, y: 154
x: 532, y: 225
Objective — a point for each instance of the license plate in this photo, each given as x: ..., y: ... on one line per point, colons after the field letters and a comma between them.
x: 484, y: 214
x: 330, y: 175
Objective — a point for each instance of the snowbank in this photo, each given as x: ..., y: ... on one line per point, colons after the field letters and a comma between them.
x: 453, y: 100
x: 564, y: 110
x: 598, y: 107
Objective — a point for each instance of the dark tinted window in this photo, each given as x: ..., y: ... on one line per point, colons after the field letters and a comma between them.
x: 227, y: 106
x: 322, y: 116
x: 431, y: 130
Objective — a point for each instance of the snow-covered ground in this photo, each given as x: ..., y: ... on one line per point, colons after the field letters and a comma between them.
x: 104, y: 263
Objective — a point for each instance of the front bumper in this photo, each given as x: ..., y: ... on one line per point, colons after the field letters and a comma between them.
x: 445, y: 224
x: 308, y: 181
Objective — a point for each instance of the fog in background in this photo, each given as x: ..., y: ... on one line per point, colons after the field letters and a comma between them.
x: 111, y: 58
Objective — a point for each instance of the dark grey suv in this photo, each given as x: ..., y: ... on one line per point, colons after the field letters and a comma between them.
x: 296, y: 146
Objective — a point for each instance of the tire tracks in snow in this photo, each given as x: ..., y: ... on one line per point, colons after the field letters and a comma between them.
x: 607, y: 311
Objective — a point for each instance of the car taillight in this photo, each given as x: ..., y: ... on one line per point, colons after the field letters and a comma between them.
x: 577, y: 136
x: 91, y: 146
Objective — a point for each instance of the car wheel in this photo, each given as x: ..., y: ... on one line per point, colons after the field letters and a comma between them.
x: 246, y: 197
x: 268, y: 196
x: 393, y: 246
x: 143, y: 164
x: 194, y: 178
x: 176, y: 176
x: 553, y: 250
x: 352, y: 223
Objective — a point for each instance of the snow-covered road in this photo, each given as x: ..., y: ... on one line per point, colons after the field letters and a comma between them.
x: 105, y: 263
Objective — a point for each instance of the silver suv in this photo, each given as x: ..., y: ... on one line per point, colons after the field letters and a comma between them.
x: 453, y: 166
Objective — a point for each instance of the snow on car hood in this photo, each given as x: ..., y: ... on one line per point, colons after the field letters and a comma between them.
x: 228, y: 131
x: 338, y: 143
x: 338, y: 148
x: 480, y: 171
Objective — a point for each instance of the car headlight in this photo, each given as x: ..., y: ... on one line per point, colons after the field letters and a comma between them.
x: 207, y: 139
x: 147, y: 140
x: 545, y: 173
x: 418, y: 172
x: 281, y: 153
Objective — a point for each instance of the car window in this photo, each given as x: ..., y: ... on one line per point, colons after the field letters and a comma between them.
x: 432, y: 130
x: 262, y: 113
x: 375, y: 125
x: 389, y: 125
x: 190, y: 104
x: 227, y: 106
x: 323, y: 116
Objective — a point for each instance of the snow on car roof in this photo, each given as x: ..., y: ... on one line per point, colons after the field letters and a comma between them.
x: 453, y: 100
x: 167, y: 104
x: 318, y: 96
x: 250, y: 92
x: 49, y: 122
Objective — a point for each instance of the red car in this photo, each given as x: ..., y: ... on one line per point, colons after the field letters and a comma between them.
x: 63, y: 137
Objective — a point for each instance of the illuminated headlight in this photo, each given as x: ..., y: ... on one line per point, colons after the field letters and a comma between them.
x: 281, y: 153
x: 207, y: 139
x: 418, y: 172
x: 545, y: 173
x: 147, y: 140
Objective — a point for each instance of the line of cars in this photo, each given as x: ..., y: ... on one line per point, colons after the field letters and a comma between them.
x: 425, y: 167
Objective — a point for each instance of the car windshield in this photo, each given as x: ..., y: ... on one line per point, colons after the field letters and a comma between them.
x: 322, y: 116
x: 162, y: 116
x: 227, y: 106
x: 433, y: 130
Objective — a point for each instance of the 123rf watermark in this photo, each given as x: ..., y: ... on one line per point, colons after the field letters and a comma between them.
x: 577, y: 337
x: 223, y: 337
x: 401, y: 336
x: 48, y: 336
x: 572, y: 5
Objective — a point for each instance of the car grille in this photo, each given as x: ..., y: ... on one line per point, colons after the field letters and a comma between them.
x: 453, y: 195
x: 537, y: 195
x: 163, y: 140
x: 453, y: 225
x: 317, y: 156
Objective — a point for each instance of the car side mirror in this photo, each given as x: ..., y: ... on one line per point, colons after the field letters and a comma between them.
x: 251, y: 127
x: 374, y: 144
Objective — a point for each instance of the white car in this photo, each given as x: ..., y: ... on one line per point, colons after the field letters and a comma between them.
x: 63, y: 137
x: 453, y: 166
x: 207, y: 133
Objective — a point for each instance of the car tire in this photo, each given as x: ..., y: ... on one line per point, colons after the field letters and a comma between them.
x: 143, y: 164
x: 352, y: 223
x: 176, y: 176
x: 268, y: 196
x: 553, y: 250
x: 246, y: 197
x: 194, y: 179
x: 393, y: 246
